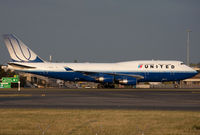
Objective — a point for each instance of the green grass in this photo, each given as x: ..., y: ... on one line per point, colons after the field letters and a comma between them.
x: 97, y: 122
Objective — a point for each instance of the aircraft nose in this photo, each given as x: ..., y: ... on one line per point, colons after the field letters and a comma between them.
x: 194, y: 72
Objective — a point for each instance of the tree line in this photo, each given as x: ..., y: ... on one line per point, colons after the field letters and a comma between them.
x: 7, y: 73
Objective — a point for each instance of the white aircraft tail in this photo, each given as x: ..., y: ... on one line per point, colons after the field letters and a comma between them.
x: 18, y: 51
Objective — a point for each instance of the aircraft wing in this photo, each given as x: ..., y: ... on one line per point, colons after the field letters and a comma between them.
x: 93, y: 74
x: 88, y: 73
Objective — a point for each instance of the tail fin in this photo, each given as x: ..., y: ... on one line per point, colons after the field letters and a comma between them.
x: 18, y: 51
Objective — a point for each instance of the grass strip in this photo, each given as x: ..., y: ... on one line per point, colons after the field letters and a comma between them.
x: 98, y: 122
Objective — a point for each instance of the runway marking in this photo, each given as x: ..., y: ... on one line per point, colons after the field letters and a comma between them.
x: 195, y: 92
x: 15, y: 95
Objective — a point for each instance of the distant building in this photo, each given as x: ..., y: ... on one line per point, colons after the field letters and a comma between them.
x: 193, y: 82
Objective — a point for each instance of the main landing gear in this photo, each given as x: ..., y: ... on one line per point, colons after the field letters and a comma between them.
x: 105, y: 85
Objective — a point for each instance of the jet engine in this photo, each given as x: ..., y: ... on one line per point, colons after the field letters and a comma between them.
x: 105, y: 79
x: 126, y: 80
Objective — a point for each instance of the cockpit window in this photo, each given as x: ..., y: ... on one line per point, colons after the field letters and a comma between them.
x: 182, y: 63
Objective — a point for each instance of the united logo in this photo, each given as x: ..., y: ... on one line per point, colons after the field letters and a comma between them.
x: 140, y: 66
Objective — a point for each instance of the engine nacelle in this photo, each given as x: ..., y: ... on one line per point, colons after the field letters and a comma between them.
x: 100, y: 79
x: 126, y: 81
x: 105, y: 79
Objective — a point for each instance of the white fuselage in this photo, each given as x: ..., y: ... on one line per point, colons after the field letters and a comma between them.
x: 150, y: 70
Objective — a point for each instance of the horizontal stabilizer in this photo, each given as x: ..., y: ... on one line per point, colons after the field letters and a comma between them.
x: 20, y: 66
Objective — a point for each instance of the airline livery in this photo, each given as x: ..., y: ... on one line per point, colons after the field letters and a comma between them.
x: 127, y: 73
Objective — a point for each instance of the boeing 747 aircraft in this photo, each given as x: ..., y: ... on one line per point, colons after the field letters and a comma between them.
x: 107, y: 74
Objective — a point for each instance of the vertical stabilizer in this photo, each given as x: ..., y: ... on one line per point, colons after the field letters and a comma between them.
x: 18, y: 51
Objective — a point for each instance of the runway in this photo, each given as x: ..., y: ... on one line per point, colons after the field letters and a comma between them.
x: 138, y: 99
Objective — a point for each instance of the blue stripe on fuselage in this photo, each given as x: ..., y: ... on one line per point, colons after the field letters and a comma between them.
x: 148, y: 76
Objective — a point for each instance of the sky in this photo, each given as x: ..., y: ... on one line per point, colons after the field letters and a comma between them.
x: 103, y: 30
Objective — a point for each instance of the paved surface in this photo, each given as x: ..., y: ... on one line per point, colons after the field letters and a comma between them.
x: 150, y: 99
